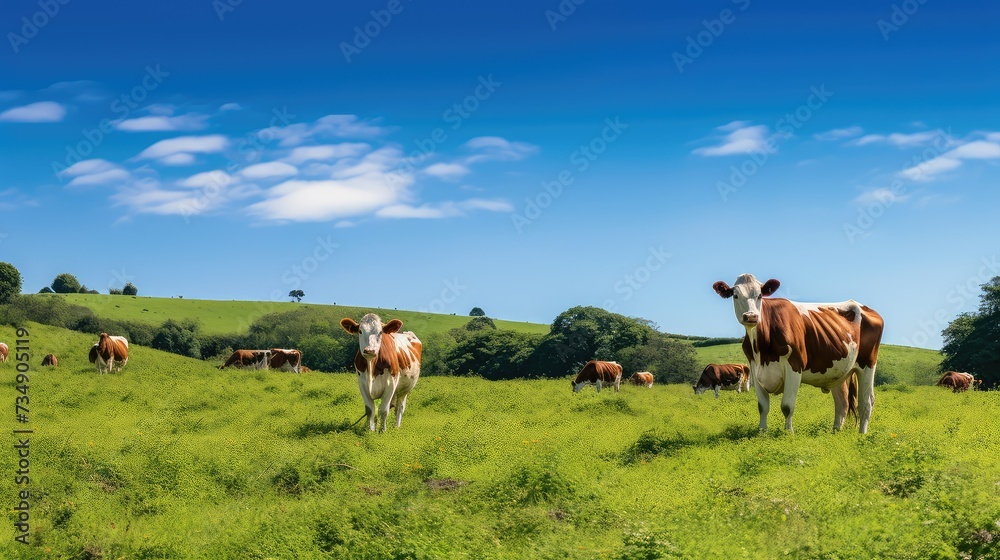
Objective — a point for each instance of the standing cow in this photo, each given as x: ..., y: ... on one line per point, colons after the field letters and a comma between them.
x: 109, y: 352
x: 642, y: 378
x: 3, y: 352
x: 833, y: 346
x: 50, y: 360
x: 598, y: 373
x: 726, y: 377
x: 388, y: 366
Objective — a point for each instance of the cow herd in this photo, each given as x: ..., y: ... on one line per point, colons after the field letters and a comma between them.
x: 832, y: 346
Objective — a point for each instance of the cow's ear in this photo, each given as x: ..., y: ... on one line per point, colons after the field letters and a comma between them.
x: 392, y: 326
x: 350, y: 325
x: 723, y: 289
x: 769, y: 287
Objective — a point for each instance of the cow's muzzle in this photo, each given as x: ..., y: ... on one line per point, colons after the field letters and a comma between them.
x: 750, y: 318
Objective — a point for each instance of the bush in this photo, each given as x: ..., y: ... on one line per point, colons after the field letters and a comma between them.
x: 65, y: 283
x: 179, y: 338
x: 130, y: 290
x: 10, y: 282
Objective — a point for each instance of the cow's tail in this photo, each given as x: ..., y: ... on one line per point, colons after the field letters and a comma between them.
x: 852, y: 396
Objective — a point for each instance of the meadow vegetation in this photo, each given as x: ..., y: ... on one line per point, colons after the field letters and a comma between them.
x: 172, y: 458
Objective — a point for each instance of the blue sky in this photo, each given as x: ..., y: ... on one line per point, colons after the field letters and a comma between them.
x: 523, y: 157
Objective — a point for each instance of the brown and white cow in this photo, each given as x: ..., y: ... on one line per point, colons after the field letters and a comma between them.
x: 726, y: 377
x: 250, y: 359
x: 3, y: 352
x: 110, y: 351
x: 598, y: 373
x: 959, y: 381
x: 833, y: 346
x: 50, y: 360
x: 285, y: 359
x: 388, y: 366
x: 641, y: 378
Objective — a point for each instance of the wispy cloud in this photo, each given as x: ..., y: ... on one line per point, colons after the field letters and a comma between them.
x: 839, y: 134
x: 270, y: 170
x: 230, y: 107
x: 443, y: 210
x: 164, y: 123
x: 180, y: 150
x: 447, y: 171
x: 900, y: 139
x: 931, y: 169
x: 330, y: 126
x: 93, y: 172
x: 742, y: 138
x: 40, y: 112
x: 495, y: 148
x: 880, y: 195
x: 327, y: 152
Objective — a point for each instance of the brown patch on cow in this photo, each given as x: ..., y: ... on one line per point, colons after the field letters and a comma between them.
x: 109, y: 349
x: 389, y: 356
x: 444, y: 483
x: 957, y: 380
x: 723, y: 375
x: 50, y: 360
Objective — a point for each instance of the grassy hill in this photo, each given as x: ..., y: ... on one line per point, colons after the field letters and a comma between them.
x: 902, y: 364
x: 220, y: 317
x: 173, y: 458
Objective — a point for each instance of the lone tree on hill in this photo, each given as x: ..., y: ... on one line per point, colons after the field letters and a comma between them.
x: 66, y: 283
x: 297, y: 295
x: 10, y: 282
x: 477, y: 312
x: 130, y: 290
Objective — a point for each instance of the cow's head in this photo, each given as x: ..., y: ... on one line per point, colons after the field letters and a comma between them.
x: 370, y: 331
x: 747, y: 294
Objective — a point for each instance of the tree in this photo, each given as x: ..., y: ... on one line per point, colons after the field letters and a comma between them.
x: 130, y: 290
x: 179, y: 338
x: 297, y: 295
x: 46, y: 290
x: 477, y: 312
x: 115, y: 291
x: 970, y: 341
x: 10, y: 282
x: 65, y: 283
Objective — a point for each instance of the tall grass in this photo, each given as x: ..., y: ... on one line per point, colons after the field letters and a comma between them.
x: 173, y: 458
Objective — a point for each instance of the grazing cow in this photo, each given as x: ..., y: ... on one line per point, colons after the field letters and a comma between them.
x: 833, y: 346
x: 3, y: 352
x: 388, y: 365
x: 726, y: 377
x: 642, y: 378
x: 598, y: 373
x: 111, y: 350
x: 959, y: 381
x: 287, y: 360
x: 251, y: 359
x: 50, y: 360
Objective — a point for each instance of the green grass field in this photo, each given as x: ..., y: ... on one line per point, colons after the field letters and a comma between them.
x: 173, y: 458
x: 220, y: 317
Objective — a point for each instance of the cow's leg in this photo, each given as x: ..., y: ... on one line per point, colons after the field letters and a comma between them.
x: 598, y: 385
x: 400, y: 408
x: 716, y: 388
x: 386, y: 403
x: 763, y: 406
x: 866, y: 396
x: 618, y: 382
x: 792, y: 381
x: 840, y: 396
x: 367, y: 398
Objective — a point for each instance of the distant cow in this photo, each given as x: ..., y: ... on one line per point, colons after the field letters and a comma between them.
x: 598, y: 373
x: 726, y: 377
x: 287, y: 360
x: 50, y: 360
x: 959, y: 381
x: 388, y: 365
x: 3, y: 352
x: 641, y: 378
x: 251, y: 359
x: 111, y: 351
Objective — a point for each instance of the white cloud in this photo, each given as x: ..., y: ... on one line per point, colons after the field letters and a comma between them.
x: 902, y: 140
x: 270, y: 170
x: 230, y: 107
x: 327, y: 152
x: 979, y: 149
x: 158, y: 123
x: 742, y: 139
x: 495, y: 148
x: 207, y: 179
x: 443, y: 210
x: 928, y: 170
x: 185, y: 145
x: 317, y: 201
x: 447, y: 171
x: 178, y: 159
x: 993, y: 136
x: 880, y: 195
x: 43, y: 111
x: 330, y: 126
x: 94, y: 172
x: 87, y: 166
x: 839, y: 134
